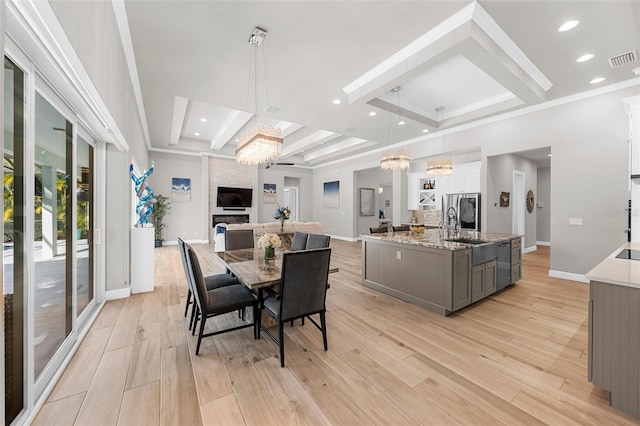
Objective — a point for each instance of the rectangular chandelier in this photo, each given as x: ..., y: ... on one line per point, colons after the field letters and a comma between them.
x: 259, y: 145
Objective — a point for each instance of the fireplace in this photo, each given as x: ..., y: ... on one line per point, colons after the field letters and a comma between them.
x: 229, y: 219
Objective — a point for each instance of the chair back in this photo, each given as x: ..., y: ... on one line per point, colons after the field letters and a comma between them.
x: 317, y: 241
x: 380, y: 230
x: 238, y: 239
x: 303, y: 289
x: 401, y: 228
x: 299, y: 241
x: 197, y: 279
x: 185, y: 265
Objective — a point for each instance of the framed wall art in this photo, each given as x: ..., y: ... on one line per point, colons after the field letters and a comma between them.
x: 180, y: 189
x: 331, y: 195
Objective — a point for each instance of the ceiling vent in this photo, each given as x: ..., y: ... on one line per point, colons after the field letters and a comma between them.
x: 625, y: 58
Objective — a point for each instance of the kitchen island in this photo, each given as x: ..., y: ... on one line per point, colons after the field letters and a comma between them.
x: 614, y: 319
x: 441, y: 275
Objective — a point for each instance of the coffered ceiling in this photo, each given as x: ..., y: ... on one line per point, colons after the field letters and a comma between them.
x: 330, y: 66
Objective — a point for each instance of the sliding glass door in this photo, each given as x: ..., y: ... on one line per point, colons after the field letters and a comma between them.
x: 13, y: 249
x: 48, y: 251
x: 53, y: 225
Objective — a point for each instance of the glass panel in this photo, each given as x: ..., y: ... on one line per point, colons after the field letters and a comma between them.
x: 13, y: 247
x: 84, y: 224
x: 52, y: 315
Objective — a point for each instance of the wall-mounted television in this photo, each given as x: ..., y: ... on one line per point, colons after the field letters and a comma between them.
x: 231, y: 198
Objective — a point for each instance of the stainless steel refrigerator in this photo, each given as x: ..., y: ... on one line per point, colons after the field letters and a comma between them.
x: 461, y: 211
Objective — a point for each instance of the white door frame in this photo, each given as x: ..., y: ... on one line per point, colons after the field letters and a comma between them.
x: 518, y: 216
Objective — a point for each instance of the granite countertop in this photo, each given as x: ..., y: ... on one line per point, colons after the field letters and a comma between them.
x: 431, y: 238
x: 625, y: 272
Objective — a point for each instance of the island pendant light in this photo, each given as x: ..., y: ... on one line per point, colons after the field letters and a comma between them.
x: 394, y: 159
x: 263, y: 142
x: 441, y: 166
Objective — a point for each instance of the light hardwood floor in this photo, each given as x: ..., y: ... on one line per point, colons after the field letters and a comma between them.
x: 518, y: 357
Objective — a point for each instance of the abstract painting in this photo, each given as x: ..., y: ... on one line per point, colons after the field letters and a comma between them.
x: 331, y: 198
x: 269, y: 193
x: 180, y: 189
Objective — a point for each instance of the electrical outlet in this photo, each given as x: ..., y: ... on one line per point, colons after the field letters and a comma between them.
x: 398, y: 255
x: 575, y: 221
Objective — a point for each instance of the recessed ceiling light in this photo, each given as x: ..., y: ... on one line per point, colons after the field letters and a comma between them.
x: 597, y: 80
x: 425, y: 131
x: 401, y: 123
x: 567, y: 26
x: 196, y: 134
x: 337, y: 101
x: 584, y: 58
x: 372, y: 114
x: 204, y: 120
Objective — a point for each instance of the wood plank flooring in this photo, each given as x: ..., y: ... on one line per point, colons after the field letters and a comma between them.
x: 518, y: 357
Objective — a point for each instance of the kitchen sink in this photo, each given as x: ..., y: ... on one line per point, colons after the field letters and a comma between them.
x: 481, y: 251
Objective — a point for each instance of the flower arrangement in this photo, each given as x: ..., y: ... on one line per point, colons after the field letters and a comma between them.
x: 282, y: 214
x: 269, y: 240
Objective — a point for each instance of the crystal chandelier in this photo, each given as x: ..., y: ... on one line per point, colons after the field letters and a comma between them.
x: 442, y: 166
x: 394, y: 159
x: 439, y: 167
x: 263, y: 142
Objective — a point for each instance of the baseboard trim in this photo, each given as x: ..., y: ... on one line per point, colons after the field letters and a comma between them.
x: 120, y: 293
x: 568, y: 276
x: 529, y: 249
x: 543, y: 243
x: 341, y: 238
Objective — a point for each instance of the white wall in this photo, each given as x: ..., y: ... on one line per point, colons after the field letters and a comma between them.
x: 184, y: 218
x: 372, y: 178
x: 277, y: 175
x: 543, y: 220
x: 500, y: 179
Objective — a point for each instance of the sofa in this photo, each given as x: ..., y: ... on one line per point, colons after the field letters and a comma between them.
x: 261, y: 228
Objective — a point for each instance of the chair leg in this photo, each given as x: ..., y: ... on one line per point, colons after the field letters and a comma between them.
x: 202, y: 322
x: 281, y: 340
x: 196, y: 317
x: 323, y: 324
x: 186, y: 308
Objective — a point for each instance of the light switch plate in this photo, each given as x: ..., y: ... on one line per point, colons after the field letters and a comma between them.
x: 575, y: 221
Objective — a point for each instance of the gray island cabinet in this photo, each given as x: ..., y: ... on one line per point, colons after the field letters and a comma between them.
x: 614, y: 321
x: 439, y: 275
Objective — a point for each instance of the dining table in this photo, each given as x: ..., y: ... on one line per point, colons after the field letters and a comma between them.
x: 252, y: 269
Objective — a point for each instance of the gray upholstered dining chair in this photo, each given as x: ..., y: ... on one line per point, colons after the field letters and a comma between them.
x: 400, y: 228
x: 219, y: 301
x: 379, y: 230
x: 317, y: 241
x: 303, y: 292
x: 238, y: 239
x: 299, y: 241
x: 211, y: 282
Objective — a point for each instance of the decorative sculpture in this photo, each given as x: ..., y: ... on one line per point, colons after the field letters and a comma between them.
x: 146, y: 197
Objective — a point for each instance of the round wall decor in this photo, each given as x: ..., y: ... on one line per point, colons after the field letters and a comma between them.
x: 530, y: 201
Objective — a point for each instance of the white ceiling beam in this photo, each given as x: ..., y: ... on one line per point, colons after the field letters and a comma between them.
x: 287, y: 128
x: 177, y: 118
x: 316, y: 138
x: 338, y: 148
x: 233, y: 122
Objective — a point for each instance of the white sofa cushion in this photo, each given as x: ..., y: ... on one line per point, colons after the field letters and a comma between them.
x: 273, y: 227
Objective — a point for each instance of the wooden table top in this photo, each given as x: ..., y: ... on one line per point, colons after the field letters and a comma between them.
x: 250, y: 267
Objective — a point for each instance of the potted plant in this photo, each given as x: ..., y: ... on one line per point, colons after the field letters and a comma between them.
x: 160, y: 209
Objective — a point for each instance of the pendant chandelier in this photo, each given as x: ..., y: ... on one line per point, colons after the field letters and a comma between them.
x: 263, y: 142
x: 442, y: 166
x: 394, y: 159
